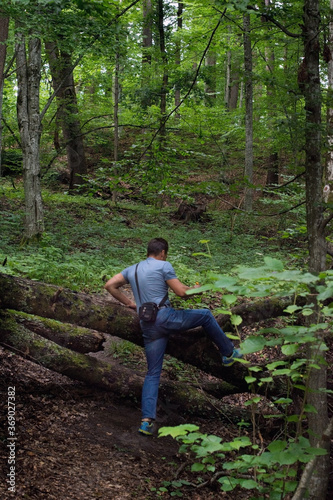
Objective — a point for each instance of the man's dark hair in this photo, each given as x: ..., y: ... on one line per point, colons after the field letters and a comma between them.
x: 156, y: 245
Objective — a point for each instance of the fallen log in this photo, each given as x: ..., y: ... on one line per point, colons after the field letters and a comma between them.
x: 111, y: 376
x: 103, y: 313
x: 74, y: 337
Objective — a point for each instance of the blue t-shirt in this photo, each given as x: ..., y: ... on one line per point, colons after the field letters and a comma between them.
x: 152, y: 276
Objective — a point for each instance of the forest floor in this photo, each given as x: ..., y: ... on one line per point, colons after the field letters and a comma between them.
x: 76, y: 442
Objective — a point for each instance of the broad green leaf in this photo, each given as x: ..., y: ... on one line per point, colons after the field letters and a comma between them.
x: 248, y: 484
x: 225, y: 282
x: 273, y: 264
x: 283, y: 401
x: 277, y: 446
x: 289, y: 349
x: 291, y: 309
x: 326, y: 293
x: 307, y: 312
x: 235, y: 319
x: 310, y: 408
x: 253, y: 344
x: 275, y: 364
x: 229, y: 299
x: 197, y: 467
x: 200, y: 289
x: 179, y: 430
x: 250, y: 380
x: 282, y: 371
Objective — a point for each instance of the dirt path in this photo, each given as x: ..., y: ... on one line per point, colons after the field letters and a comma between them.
x: 78, y: 443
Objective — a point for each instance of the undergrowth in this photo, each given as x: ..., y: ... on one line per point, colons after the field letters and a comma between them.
x: 87, y: 240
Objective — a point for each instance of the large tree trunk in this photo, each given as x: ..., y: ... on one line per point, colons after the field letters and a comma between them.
x: 102, y: 313
x: 63, y: 84
x: 147, y: 44
x: 248, y: 171
x: 73, y: 337
x: 164, y: 60
x: 28, y: 79
x: 310, y: 85
x: 111, y: 376
x: 4, y: 24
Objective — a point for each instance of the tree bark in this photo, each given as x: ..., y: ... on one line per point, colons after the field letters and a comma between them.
x: 63, y: 83
x: 248, y: 199
x: 147, y: 44
x: 4, y: 24
x: 111, y: 376
x: 164, y: 64
x: 310, y: 85
x: 103, y: 314
x: 178, y: 54
x: 28, y: 79
x: 73, y: 337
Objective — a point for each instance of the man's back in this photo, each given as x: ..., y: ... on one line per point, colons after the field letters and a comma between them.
x: 152, y: 275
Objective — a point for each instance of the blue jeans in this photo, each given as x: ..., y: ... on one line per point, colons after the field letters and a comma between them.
x: 156, y: 336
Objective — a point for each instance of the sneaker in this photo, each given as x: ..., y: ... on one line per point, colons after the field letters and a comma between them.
x: 146, y: 428
x: 229, y: 360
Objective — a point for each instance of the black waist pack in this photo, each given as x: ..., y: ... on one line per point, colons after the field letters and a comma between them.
x: 148, y: 312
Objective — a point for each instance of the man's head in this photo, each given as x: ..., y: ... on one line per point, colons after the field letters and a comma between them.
x: 156, y: 246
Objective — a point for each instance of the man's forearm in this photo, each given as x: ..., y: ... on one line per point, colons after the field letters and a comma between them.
x: 117, y: 294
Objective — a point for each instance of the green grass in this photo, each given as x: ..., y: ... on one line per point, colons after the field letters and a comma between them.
x: 87, y: 240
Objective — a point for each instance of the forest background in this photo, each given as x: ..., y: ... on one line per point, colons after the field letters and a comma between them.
x: 208, y: 123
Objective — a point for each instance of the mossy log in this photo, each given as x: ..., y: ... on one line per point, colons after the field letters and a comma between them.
x: 74, y: 337
x: 111, y: 376
x: 104, y: 314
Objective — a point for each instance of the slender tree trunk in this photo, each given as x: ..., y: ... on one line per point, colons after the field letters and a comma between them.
x: 4, y: 24
x: 329, y: 158
x: 248, y: 200
x: 178, y: 52
x: 147, y: 43
x: 28, y: 79
x: 116, y: 120
x: 210, y: 87
x: 165, y: 76
x: 63, y: 84
x: 272, y: 178
x: 310, y: 85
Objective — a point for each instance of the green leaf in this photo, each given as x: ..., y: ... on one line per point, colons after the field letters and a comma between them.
x: 250, y: 380
x: 283, y: 401
x: 289, y: 349
x: 326, y: 293
x: 291, y: 309
x: 310, y: 408
x: 229, y: 299
x: 253, y: 344
x: 277, y: 446
x: 179, y: 430
x: 248, y: 484
x: 198, y: 467
x: 235, y: 319
x: 273, y: 264
x: 202, y: 253
x: 225, y: 282
x: 275, y: 364
x: 307, y: 312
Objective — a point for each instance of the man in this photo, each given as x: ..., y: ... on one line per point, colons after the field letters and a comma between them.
x: 154, y: 276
